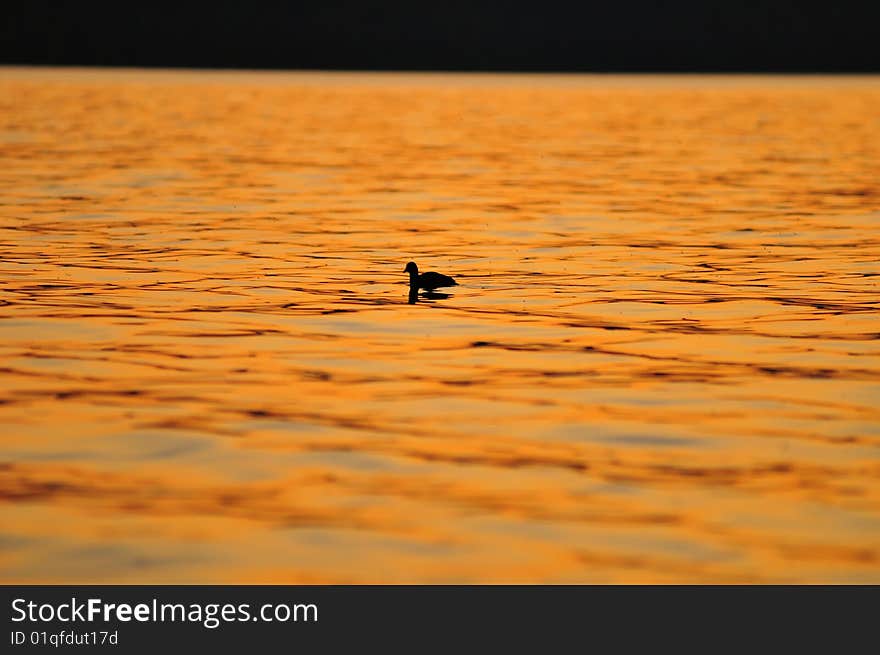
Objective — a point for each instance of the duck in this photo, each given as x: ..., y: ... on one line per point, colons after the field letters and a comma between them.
x: 428, y: 281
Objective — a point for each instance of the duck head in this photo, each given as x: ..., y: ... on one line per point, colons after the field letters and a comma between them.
x: 411, y: 268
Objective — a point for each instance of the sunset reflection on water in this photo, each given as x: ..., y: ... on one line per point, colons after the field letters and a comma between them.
x: 661, y: 363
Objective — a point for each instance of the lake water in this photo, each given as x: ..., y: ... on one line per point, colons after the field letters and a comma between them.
x: 661, y: 363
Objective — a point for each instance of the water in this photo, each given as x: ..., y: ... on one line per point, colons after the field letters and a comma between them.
x: 660, y: 364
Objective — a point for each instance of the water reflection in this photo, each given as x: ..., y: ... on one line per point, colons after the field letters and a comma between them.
x: 427, y: 295
x: 663, y: 366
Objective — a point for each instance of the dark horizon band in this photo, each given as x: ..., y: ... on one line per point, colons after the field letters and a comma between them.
x: 638, y: 36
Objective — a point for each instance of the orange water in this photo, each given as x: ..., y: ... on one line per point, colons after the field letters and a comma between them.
x: 661, y: 363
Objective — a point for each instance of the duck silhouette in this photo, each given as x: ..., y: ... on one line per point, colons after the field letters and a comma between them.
x: 427, y: 281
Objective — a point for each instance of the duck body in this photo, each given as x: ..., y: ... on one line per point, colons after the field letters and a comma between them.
x: 428, y: 281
